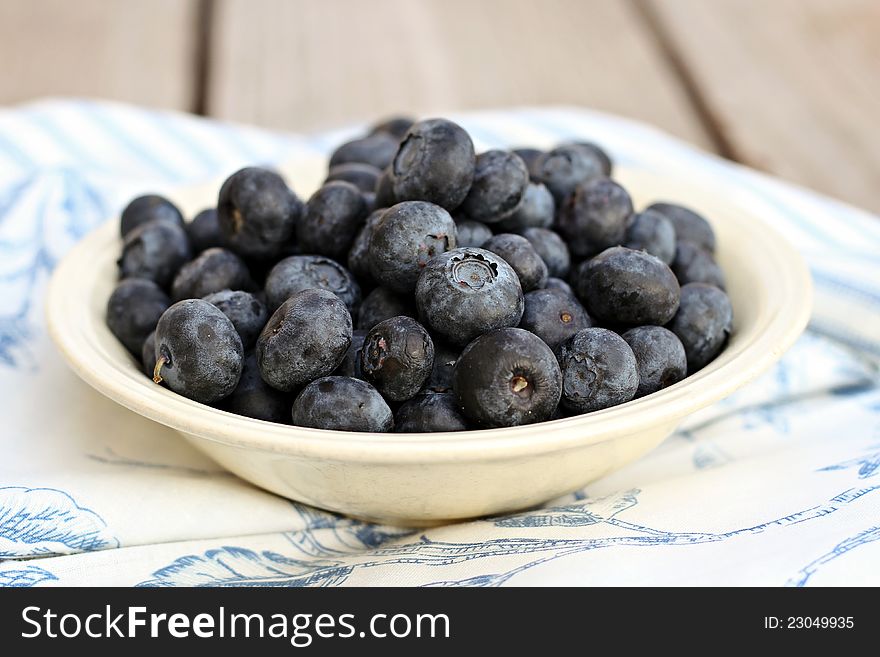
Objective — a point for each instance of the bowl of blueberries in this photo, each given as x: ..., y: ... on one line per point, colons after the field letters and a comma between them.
x: 434, y: 333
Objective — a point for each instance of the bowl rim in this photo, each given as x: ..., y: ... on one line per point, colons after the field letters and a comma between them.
x: 793, y: 286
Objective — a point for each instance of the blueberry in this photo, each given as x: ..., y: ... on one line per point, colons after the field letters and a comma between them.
x: 382, y: 304
x: 212, y: 271
x: 559, y: 284
x: 521, y: 255
x: 257, y: 212
x: 627, y: 287
x: 154, y: 250
x: 652, y: 232
x: 246, y: 312
x: 385, y: 190
x: 148, y: 354
x: 255, y: 398
x: 332, y: 218
x: 599, y: 370
x: 397, y: 357
x: 302, y: 272
x: 204, y: 231
x: 553, y: 316
x: 694, y: 264
x: 363, y: 176
x: 144, y: 209
x: 599, y: 153
x: 471, y: 233
x: 198, y: 352
x: 538, y: 210
x: 445, y: 357
x: 507, y: 377
x: 376, y: 150
x: 564, y: 168
x: 689, y: 226
x: 659, y: 355
x: 530, y: 156
x: 351, y: 362
x: 551, y: 248
x: 306, y: 338
x: 429, y: 412
x: 595, y: 217
x: 703, y: 323
x: 435, y: 163
x: 463, y: 293
x: 499, y: 184
x: 340, y: 403
x: 404, y: 239
x: 396, y: 126
x: 369, y: 202
x: 359, y: 254
x: 133, y: 310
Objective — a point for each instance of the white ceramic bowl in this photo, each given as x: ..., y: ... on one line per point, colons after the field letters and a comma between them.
x: 423, y: 479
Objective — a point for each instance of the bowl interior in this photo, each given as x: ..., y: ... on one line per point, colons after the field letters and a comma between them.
x: 768, y: 284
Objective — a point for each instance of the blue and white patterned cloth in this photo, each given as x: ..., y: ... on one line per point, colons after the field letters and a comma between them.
x: 777, y: 485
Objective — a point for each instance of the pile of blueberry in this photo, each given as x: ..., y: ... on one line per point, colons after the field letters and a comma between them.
x: 423, y: 287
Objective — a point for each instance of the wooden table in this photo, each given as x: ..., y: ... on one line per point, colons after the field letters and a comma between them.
x: 788, y: 86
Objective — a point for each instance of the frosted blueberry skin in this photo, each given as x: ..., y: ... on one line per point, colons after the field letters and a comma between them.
x: 552, y: 249
x: 302, y: 272
x: 211, y: 271
x: 133, y: 310
x: 362, y: 176
x: 652, y: 232
x: 537, y: 210
x: 565, y: 167
x: 204, y: 231
x: 255, y: 398
x: 396, y: 126
x: 359, y: 254
x: 559, y: 284
x: 246, y: 312
x: 351, y: 362
x: 429, y: 412
x: 404, y: 239
x: 599, y: 370
x: 703, y: 323
x: 499, y: 184
x: 341, y: 403
x: 155, y: 250
x: 521, y: 255
x: 594, y: 217
x: 530, y: 156
x: 332, y: 219
x: 257, y: 212
x: 471, y: 233
x: 397, y: 357
x: 148, y: 354
x: 445, y: 357
x: 626, y: 287
x: 600, y: 153
x: 146, y: 208
x: 385, y: 190
x: 554, y: 316
x: 694, y: 264
x: 506, y: 378
x: 659, y: 356
x: 382, y: 304
x: 465, y: 292
x: 198, y: 351
x: 377, y: 150
x: 304, y: 339
x: 435, y: 163
x: 689, y: 226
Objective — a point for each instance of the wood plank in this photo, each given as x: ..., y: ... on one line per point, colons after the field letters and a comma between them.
x: 793, y: 86
x: 304, y: 65
x: 129, y: 50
